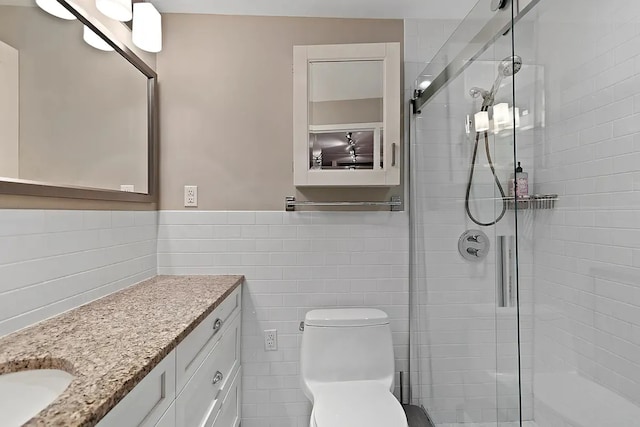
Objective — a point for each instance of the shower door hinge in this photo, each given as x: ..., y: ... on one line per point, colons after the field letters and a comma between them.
x: 414, y: 101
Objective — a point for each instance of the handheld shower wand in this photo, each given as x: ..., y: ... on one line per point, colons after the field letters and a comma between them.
x: 507, y: 68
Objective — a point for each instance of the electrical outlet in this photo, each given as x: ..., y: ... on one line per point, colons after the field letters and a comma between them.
x: 127, y: 188
x: 190, y: 196
x: 270, y: 339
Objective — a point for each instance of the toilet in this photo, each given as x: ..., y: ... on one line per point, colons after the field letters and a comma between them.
x: 347, y: 369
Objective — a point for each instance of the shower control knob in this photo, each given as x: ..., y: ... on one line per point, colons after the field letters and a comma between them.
x: 473, y: 245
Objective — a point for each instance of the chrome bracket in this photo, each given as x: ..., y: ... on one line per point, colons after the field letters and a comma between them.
x: 414, y: 101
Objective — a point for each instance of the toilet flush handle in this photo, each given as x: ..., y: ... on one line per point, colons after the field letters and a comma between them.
x: 301, y: 327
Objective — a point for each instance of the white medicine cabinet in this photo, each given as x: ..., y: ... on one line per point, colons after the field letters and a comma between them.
x: 346, y: 115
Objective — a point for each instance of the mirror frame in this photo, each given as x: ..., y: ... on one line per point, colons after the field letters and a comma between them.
x: 23, y: 187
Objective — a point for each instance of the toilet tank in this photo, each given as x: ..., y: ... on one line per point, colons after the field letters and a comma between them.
x: 346, y: 344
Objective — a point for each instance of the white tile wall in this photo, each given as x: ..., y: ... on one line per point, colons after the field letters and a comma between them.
x: 293, y: 262
x: 52, y: 261
x: 587, y: 274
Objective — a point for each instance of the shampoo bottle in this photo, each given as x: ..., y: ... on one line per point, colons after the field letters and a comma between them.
x: 519, y: 183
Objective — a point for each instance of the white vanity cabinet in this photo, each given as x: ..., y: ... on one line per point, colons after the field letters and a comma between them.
x: 197, y: 384
x: 346, y: 115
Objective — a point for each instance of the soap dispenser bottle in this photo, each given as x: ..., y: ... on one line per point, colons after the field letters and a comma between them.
x: 519, y: 183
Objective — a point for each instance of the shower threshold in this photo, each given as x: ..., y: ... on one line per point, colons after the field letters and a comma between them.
x: 416, y: 416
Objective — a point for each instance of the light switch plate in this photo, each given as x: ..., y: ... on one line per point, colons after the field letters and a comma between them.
x: 190, y: 196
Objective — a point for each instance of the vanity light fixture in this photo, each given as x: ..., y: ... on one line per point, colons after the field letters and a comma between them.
x: 120, y: 10
x: 94, y: 40
x: 147, y: 27
x: 56, y: 9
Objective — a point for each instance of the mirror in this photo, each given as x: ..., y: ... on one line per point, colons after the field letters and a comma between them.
x: 71, y: 114
x: 346, y: 117
x: 346, y: 102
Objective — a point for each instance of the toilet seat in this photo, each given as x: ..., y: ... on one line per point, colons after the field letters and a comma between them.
x: 356, y: 404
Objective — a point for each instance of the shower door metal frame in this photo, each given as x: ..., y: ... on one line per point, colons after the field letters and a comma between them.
x: 500, y: 24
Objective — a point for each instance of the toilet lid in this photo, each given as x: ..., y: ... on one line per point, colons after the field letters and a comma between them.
x: 357, y: 404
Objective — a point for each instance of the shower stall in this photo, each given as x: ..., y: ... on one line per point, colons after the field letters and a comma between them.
x: 525, y: 217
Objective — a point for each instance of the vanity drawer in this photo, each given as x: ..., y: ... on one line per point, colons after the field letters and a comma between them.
x: 229, y: 414
x: 148, y: 401
x: 197, y: 345
x: 201, y: 398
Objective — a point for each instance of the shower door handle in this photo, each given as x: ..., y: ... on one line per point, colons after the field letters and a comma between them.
x: 505, y: 277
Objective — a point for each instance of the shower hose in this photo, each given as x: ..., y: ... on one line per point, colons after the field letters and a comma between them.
x: 495, y: 177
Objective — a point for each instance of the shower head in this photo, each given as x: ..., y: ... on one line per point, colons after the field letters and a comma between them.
x: 510, y: 66
x: 507, y: 68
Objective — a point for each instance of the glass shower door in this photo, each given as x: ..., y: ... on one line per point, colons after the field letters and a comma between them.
x: 464, y: 265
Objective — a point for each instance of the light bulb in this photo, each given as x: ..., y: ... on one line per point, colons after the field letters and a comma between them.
x: 501, y: 114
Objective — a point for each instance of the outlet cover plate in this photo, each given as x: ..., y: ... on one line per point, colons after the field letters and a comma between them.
x: 190, y: 196
x: 270, y: 339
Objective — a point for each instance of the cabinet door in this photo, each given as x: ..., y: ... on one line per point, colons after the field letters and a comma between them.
x: 346, y: 119
x: 169, y: 417
x: 199, y: 402
x: 148, y: 401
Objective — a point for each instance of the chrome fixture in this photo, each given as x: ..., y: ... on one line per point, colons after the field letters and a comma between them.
x: 395, y: 204
x: 507, y: 68
x: 473, y: 245
x: 537, y: 201
x: 505, y: 269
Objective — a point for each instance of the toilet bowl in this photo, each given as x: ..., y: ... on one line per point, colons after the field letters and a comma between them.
x: 347, y: 369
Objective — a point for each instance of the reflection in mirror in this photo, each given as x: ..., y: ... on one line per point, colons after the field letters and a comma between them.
x: 70, y: 114
x: 345, y: 114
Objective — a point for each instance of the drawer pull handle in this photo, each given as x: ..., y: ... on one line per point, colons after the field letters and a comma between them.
x: 217, y: 325
x: 217, y: 377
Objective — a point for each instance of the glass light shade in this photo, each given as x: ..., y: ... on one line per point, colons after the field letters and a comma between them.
x: 517, y: 116
x: 424, y: 84
x: 94, y: 40
x: 120, y: 10
x: 501, y: 114
x: 56, y: 9
x: 481, y: 120
x: 147, y: 27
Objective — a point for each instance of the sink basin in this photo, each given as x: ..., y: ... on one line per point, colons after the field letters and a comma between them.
x: 23, y: 394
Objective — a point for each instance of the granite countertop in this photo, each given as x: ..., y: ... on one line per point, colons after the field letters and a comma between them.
x: 111, y: 344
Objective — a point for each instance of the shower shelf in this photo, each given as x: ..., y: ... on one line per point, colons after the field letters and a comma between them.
x: 536, y: 201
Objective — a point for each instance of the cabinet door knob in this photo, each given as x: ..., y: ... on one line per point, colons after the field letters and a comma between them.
x: 217, y: 325
x: 217, y: 377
